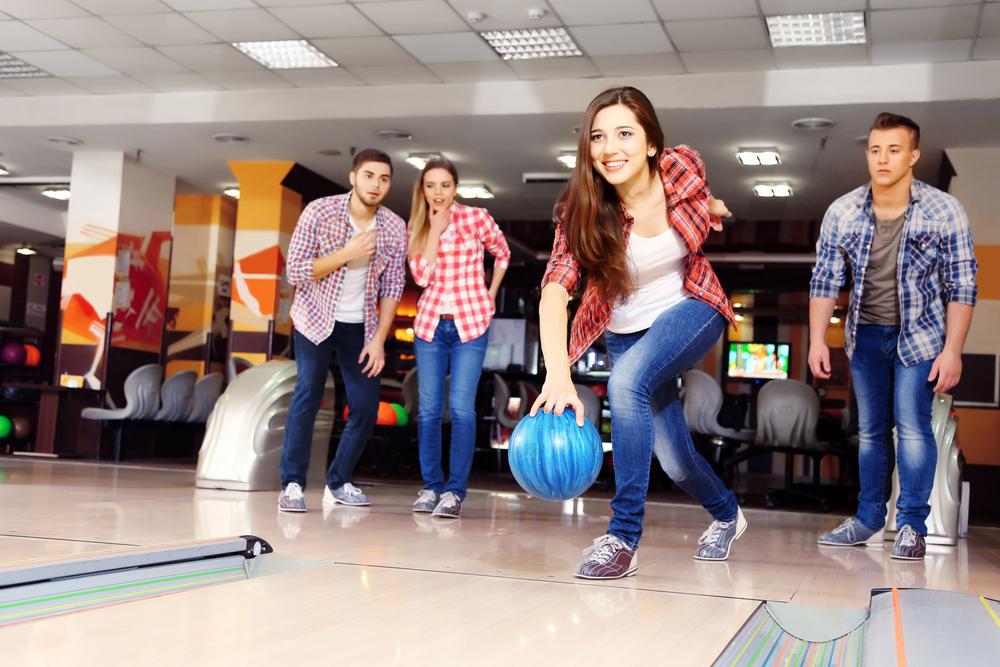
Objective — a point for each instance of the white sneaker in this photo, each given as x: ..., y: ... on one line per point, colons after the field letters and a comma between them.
x: 348, y: 494
x: 291, y: 499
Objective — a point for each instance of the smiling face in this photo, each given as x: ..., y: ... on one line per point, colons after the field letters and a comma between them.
x: 619, y: 147
x: 439, y: 188
x: 891, y: 155
x: 371, y: 182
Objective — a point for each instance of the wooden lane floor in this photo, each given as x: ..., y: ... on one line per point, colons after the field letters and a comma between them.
x: 384, y: 586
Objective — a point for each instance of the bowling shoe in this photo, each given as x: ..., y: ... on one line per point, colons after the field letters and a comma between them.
x: 717, y: 540
x: 910, y: 545
x: 852, y: 532
x: 291, y: 499
x: 609, y: 558
x: 449, y: 507
x: 426, y: 502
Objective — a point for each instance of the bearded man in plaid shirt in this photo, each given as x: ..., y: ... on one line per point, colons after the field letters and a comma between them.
x: 346, y: 252
x: 911, y: 254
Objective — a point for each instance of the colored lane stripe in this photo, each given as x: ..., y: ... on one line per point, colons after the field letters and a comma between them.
x: 776, y: 662
x: 812, y: 653
x: 861, y: 634
x: 750, y: 641
x: 900, y: 646
x: 114, y: 597
x: 990, y: 609
x: 777, y: 640
x: 763, y: 643
x: 111, y: 553
x: 840, y: 654
x: 117, y: 588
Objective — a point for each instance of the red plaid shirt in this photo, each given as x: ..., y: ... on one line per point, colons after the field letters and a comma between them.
x: 458, y: 274
x: 683, y: 175
x: 323, y: 228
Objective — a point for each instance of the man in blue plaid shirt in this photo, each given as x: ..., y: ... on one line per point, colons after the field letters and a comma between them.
x: 914, y: 287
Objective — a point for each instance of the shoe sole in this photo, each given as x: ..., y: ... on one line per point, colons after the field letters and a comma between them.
x: 446, y: 516
x: 327, y: 501
x: 739, y: 533
x: 875, y: 540
x: 416, y: 511
x: 895, y: 557
x: 293, y: 511
x: 628, y: 573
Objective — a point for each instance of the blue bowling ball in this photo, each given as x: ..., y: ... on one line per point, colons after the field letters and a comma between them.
x: 554, y: 459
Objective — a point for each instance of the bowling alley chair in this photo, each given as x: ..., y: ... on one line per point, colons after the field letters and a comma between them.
x: 702, y: 404
x: 142, y: 398
x: 175, y: 396
x: 206, y: 393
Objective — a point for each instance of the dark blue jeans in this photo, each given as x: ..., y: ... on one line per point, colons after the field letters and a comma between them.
x: 312, y: 362
x: 466, y: 362
x: 647, y: 418
x: 891, y: 394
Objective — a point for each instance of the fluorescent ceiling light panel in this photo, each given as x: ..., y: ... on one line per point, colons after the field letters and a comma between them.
x: 772, y: 190
x: 758, y: 156
x: 838, y: 28
x: 286, y: 54
x: 13, y: 68
x: 420, y: 160
x: 25, y: 250
x: 527, y: 44
x: 568, y: 159
x: 60, y: 194
x: 232, y: 192
x: 474, y: 191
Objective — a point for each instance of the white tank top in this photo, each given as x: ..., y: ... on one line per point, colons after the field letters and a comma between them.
x: 658, y: 266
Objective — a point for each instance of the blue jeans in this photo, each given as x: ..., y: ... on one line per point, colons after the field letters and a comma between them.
x: 890, y: 394
x: 312, y: 362
x: 646, y: 414
x: 466, y: 360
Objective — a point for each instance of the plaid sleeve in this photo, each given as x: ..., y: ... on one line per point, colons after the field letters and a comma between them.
x: 828, y: 274
x: 394, y: 277
x: 959, y: 265
x: 421, y: 270
x: 494, y: 240
x: 562, y: 267
x: 303, y: 248
x: 685, y: 170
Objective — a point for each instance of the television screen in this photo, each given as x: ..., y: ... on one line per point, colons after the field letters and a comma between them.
x: 764, y: 361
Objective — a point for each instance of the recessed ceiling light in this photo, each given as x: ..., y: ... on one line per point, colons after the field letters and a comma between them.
x: 534, y: 43
x: 65, y: 141
x: 56, y: 193
x: 14, y: 68
x: 474, y: 191
x: 394, y: 135
x: 232, y: 192
x: 838, y: 28
x: 4, y: 172
x: 759, y: 156
x: 772, y: 190
x: 25, y: 250
x: 230, y: 138
x: 813, y: 124
x: 286, y: 54
x: 330, y: 152
x: 420, y: 160
x: 568, y: 159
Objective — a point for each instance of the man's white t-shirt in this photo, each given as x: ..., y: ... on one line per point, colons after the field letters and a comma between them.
x: 351, y: 306
x: 658, y: 266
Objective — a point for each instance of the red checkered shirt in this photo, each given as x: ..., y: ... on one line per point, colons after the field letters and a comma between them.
x: 458, y: 274
x: 324, y: 228
x: 683, y: 175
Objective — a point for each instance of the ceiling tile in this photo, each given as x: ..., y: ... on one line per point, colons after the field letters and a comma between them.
x: 554, y: 68
x: 17, y: 36
x: 41, y: 9
x: 84, y: 33
x: 685, y: 10
x: 414, y: 16
x: 115, y: 7
x: 989, y: 26
x: 650, y: 65
x: 319, y: 77
x: 141, y: 60
x: 987, y: 48
x: 910, y: 4
x: 728, y: 61
x: 898, y: 53
x: 623, y: 39
x: 454, y: 47
x: 162, y: 29
x: 259, y: 80
x: 506, y: 14
x: 364, y: 51
x: 924, y: 25
x: 243, y: 25
x: 45, y: 87
x: 210, y: 57
x: 110, y: 85
x: 394, y: 74
x: 781, y: 7
x: 297, y: 3
x: 328, y: 21
x: 801, y: 57
x: 718, y: 35
x: 65, y: 63
x: 181, y: 82
x: 205, y: 5
x: 603, y: 12
x: 461, y: 72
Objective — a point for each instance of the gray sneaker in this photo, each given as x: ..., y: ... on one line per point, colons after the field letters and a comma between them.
x: 715, y: 542
x: 910, y: 545
x: 449, y: 507
x: 426, y: 502
x: 609, y: 558
x: 291, y: 499
x: 852, y: 532
x: 348, y: 494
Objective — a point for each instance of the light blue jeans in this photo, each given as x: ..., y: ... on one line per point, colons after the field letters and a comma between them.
x: 891, y: 394
x: 646, y: 415
x: 466, y: 363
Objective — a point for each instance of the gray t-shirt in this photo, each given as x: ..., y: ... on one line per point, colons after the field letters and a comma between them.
x: 880, y: 303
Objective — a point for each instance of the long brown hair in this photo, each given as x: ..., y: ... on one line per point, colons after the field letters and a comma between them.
x: 589, y: 209
x: 419, y: 227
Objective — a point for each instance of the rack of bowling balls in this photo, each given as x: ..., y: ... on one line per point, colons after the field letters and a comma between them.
x: 18, y: 405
